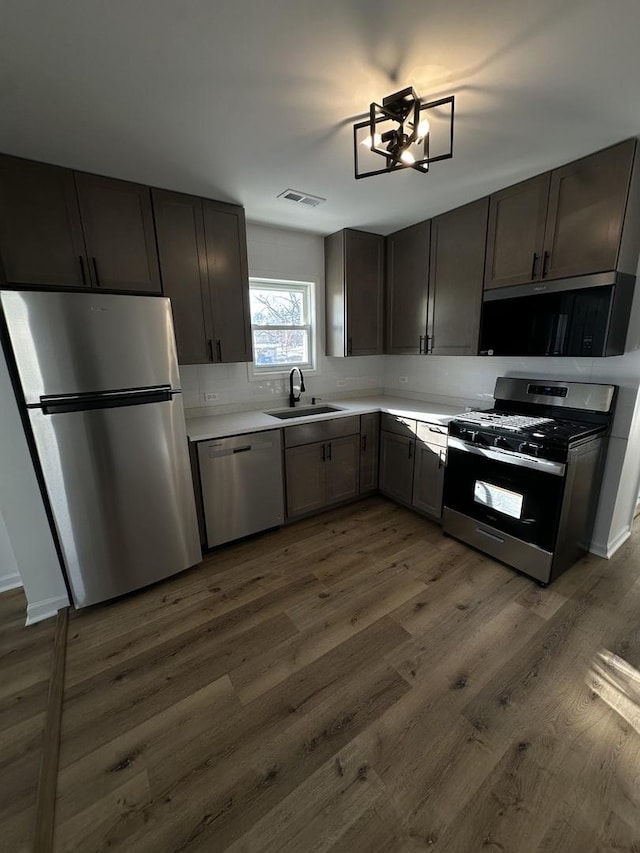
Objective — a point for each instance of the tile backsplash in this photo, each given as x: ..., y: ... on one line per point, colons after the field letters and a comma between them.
x: 235, y: 391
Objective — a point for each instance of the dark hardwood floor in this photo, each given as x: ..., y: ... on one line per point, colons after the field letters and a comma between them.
x: 353, y: 682
x: 25, y: 667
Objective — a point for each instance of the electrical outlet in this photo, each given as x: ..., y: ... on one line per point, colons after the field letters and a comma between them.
x: 403, y: 380
x: 210, y: 396
x: 341, y: 383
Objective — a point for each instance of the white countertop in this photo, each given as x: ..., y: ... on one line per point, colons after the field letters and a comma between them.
x: 239, y: 423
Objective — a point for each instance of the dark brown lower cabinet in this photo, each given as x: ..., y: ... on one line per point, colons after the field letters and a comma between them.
x: 369, y: 444
x: 321, y: 474
x: 396, y: 466
x: 342, y: 468
x: 305, y: 479
x: 412, y: 462
x: 428, y: 472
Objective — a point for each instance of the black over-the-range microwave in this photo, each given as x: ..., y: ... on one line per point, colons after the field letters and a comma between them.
x: 582, y: 316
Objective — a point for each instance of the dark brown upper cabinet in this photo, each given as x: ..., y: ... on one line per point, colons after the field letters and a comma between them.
x: 458, y: 241
x: 183, y: 263
x: 60, y: 228
x: 203, y: 259
x: 354, y: 273
x: 117, y: 221
x: 407, y: 289
x: 565, y: 223
x: 41, y: 240
x: 515, y: 239
x: 226, y: 242
x: 587, y: 202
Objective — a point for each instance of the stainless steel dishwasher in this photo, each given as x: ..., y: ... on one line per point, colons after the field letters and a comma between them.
x: 242, y: 489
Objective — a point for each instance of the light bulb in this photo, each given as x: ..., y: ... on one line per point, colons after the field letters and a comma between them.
x: 407, y: 157
x: 423, y: 128
x: 367, y: 142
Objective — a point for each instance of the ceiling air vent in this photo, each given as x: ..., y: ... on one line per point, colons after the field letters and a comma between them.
x: 302, y: 198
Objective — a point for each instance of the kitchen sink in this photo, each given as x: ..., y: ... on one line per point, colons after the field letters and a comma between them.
x: 304, y: 412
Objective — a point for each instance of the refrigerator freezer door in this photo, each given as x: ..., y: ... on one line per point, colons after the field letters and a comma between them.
x: 72, y: 343
x: 120, y: 488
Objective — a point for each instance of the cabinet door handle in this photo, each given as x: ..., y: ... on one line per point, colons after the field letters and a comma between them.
x: 329, y: 456
x: 349, y: 346
x: 364, y: 443
x: 219, y: 349
x: 324, y: 454
x: 84, y: 275
x: 533, y: 264
x: 422, y: 344
x: 210, y: 348
x: 95, y: 270
x: 545, y: 263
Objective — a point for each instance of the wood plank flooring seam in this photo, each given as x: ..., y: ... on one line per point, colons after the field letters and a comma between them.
x: 48, y: 778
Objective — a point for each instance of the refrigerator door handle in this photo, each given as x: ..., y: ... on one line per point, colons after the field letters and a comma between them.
x: 60, y: 404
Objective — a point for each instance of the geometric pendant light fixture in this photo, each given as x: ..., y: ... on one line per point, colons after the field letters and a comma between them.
x: 404, y: 133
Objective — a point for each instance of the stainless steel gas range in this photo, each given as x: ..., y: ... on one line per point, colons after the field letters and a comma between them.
x: 522, y: 479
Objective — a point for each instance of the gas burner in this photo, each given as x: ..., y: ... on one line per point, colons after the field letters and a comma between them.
x: 515, y: 423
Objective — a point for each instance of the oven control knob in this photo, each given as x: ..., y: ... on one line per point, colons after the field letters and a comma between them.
x: 501, y: 441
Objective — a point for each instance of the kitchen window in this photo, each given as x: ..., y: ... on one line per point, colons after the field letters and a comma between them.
x: 282, y: 325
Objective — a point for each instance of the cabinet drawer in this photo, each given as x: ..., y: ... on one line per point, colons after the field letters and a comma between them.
x: 398, y: 425
x: 432, y: 434
x: 299, y: 434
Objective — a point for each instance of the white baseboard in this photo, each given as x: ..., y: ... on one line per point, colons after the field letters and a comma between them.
x: 10, y: 582
x: 609, y: 549
x: 45, y: 609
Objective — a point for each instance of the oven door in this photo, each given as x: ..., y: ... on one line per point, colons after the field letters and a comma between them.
x: 510, y: 492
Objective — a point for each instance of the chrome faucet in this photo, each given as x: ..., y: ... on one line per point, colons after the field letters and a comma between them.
x: 292, y: 396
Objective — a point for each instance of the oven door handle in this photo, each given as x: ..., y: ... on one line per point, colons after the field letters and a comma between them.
x: 509, y: 457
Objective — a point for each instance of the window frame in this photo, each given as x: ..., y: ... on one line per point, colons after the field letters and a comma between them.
x: 278, y: 371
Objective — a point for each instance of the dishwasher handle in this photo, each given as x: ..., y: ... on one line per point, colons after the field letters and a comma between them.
x: 229, y: 447
x: 220, y: 452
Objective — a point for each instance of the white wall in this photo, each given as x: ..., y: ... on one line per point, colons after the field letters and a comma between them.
x: 281, y: 254
x: 23, y: 516
x: 9, y: 574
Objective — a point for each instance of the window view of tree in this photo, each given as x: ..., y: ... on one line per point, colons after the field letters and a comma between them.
x: 276, y: 307
x: 280, y: 322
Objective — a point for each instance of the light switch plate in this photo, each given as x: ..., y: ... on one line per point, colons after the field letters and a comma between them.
x: 210, y: 396
x: 403, y: 380
x: 341, y: 383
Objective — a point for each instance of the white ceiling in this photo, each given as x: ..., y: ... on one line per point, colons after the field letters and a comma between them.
x: 241, y: 99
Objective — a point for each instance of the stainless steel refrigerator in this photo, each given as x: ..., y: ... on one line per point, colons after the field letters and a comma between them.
x: 100, y: 383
